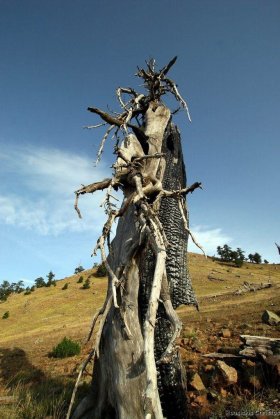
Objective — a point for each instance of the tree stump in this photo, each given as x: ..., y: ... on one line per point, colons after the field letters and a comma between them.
x: 137, y: 368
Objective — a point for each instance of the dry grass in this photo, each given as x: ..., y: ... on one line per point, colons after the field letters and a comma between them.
x: 39, y: 321
x: 50, y: 309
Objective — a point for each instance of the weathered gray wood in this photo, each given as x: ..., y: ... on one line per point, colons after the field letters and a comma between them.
x: 120, y: 370
x: 251, y: 287
x: 147, y: 259
x: 219, y: 355
x: 259, y: 345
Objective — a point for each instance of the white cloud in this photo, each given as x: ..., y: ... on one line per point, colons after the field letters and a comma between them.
x: 45, y: 181
x: 208, y: 238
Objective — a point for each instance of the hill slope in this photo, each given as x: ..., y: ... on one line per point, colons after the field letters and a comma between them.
x: 40, y: 320
x: 37, y: 321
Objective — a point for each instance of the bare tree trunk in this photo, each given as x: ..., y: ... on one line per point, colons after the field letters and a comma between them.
x: 137, y: 368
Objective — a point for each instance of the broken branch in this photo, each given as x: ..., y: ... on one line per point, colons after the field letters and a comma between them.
x: 187, y: 228
x: 97, y: 186
x: 101, y: 147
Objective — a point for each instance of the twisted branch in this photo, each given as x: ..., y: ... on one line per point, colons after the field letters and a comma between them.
x: 97, y: 186
x: 143, y: 190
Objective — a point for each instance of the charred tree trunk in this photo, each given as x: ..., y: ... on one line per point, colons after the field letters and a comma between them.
x: 171, y: 375
x: 137, y: 368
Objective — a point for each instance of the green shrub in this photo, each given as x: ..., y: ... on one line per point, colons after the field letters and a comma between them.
x: 66, y: 348
x: 6, y: 315
x: 27, y: 291
x: 80, y: 280
x: 65, y: 286
x: 86, y: 285
x: 101, y: 270
x: 238, y: 262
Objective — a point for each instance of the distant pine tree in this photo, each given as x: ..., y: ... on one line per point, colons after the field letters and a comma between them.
x: 79, y: 269
x: 40, y: 282
x: 51, y: 280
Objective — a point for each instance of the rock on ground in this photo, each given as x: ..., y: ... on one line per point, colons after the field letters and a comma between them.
x: 196, y: 383
x: 270, y: 317
x: 229, y: 373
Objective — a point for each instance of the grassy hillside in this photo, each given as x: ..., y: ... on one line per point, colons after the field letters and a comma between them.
x: 40, y: 320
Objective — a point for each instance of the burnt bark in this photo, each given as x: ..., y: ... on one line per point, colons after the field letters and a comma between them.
x: 171, y: 375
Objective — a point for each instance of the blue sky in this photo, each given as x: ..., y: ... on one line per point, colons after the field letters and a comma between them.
x: 58, y: 57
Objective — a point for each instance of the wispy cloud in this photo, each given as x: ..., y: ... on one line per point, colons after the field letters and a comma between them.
x: 38, y: 193
x: 42, y: 182
x: 208, y: 238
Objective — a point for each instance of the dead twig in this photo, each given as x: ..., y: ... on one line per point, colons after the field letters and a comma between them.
x: 113, y: 280
x: 93, y: 187
x: 94, y: 320
x: 82, y: 369
x: 187, y: 228
x: 94, y: 126
x: 175, y: 91
x: 126, y: 90
x: 101, y: 147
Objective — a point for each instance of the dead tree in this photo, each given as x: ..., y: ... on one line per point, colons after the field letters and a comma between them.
x: 137, y: 369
